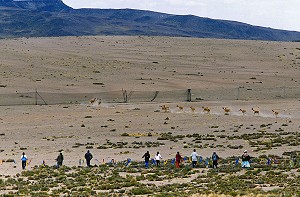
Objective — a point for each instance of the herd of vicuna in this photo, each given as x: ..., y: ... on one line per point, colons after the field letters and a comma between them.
x: 226, y: 110
x: 166, y: 108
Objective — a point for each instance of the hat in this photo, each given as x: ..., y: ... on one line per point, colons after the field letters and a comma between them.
x: 245, y: 151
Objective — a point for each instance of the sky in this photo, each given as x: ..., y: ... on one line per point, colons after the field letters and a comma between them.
x: 278, y: 14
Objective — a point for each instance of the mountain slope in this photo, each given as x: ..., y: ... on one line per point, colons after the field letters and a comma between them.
x: 42, y: 5
x: 42, y: 18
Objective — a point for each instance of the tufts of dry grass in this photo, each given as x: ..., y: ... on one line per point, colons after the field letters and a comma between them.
x: 223, y: 195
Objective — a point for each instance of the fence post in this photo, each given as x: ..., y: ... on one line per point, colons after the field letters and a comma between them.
x: 238, y: 92
x: 189, y: 95
x: 125, y: 97
x: 155, y: 95
x: 35, y: 96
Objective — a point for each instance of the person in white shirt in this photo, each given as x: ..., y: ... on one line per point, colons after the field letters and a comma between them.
x: 194, y: 156
x: 24, y: 160
x: 157, y: 157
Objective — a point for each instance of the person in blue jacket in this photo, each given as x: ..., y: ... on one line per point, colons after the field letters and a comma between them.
x: 24, y: 160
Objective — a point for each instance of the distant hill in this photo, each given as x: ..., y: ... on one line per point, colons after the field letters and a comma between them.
x: 44, y: 18
x: 41, y: 5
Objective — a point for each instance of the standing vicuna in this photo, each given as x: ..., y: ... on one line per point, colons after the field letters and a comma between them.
x: 276, y: 113
x: 180, y: 107
x: 255, y: 111
x: 193, y: 108
x: 243, y: 111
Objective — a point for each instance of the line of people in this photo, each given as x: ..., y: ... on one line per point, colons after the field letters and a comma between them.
x: 60, y: 158
x: 179, y: 159
x: 194, y: 158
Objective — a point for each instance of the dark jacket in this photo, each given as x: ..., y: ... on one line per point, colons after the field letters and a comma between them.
x: 88, y: 156
x: 215, y: 157
x: 60, y: 158
x: 146, y: 156
x: 246, y: 157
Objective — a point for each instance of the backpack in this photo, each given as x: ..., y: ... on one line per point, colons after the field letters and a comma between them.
x: 215, y: 157
x: 24, y: 158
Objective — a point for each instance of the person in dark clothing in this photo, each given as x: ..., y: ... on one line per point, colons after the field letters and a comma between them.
x: 147, y: 158
x: 215, y: 159
x: 178, y: 159
x: 60, y: 159
x: 246, y: 160
x: 88, y: 156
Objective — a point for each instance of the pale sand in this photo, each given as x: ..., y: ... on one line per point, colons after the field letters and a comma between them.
x: 68, y: 64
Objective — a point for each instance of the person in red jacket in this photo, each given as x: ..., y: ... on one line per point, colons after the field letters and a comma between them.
x: 178, y: 159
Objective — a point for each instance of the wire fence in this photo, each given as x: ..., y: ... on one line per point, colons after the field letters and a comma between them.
x: 125, y: 96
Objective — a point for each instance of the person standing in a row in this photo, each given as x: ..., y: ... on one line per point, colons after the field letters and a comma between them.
x: 178, y: 159
x: 24, y: 160
x: 246, y: 160
x: 215, y: 159
x: 158, y: 157
x: 194, y: 156
x: 60, y: 159
x: 88, y: 157
x: 147, y: 158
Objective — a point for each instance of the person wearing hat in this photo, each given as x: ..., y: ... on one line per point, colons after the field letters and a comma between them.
x: 245, y: 160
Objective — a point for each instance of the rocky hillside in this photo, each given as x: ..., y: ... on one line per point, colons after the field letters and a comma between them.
x: 43, y: 18
x: 42, y: 5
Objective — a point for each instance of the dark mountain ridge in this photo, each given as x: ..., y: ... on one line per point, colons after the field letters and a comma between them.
x: 42, y: 5
x: 43, y: 18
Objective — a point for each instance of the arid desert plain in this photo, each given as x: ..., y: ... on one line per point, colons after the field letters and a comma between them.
x: 234, y: 74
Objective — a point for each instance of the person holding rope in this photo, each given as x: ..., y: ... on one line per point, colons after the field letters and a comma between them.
x: 24, y: 160
x: 194, y: 156
x: 246, y: 160
x: 60, y: 159
x: 215, y: 159
x: 147, y: 158
x: 158, y: 157
x: 178, y: 159
x: 88, y: 157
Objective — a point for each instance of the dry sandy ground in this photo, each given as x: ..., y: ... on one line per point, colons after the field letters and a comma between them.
x: 73, y: 64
